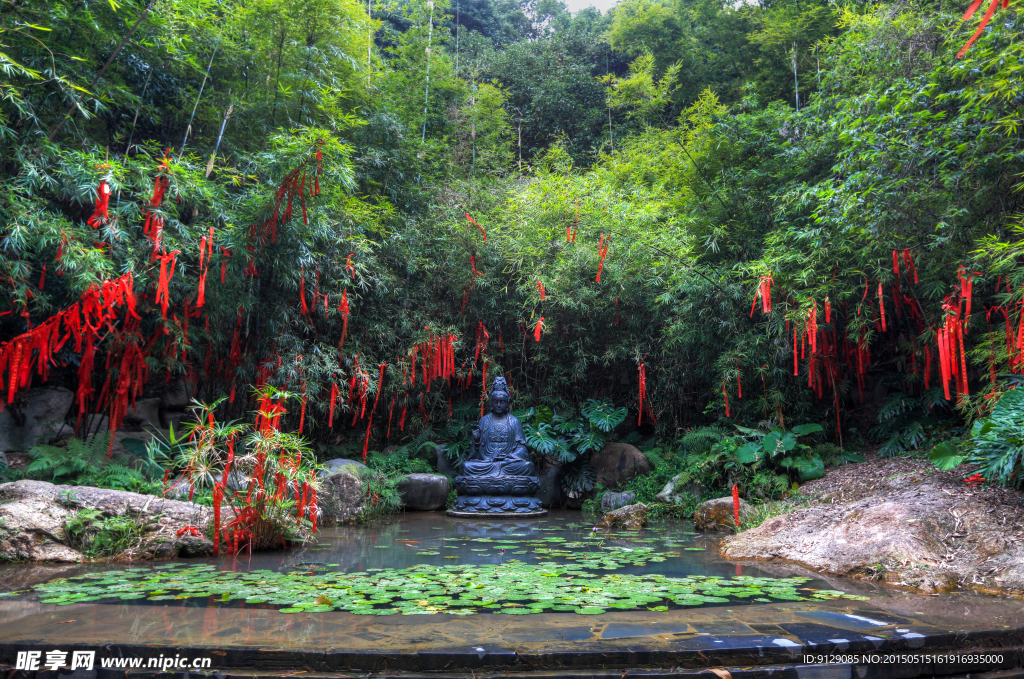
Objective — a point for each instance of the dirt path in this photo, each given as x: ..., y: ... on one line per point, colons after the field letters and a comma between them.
x: 900, y: 521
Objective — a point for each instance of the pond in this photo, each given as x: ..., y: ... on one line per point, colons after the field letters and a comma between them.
x: 427, y: 564
x: 424, y: 592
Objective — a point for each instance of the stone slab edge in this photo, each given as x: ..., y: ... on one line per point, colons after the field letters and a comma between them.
x: 593, y: 655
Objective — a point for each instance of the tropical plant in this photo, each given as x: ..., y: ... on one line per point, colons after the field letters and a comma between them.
x: 996, y: 444
x: 571, y: 441
x: 90, y: 531
x: 906, y: 421
x: 786, y: 453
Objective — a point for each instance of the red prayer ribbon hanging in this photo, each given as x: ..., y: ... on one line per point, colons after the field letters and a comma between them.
x: 100, y: 214
x: 473, y: 222
x: 602, y: 252
x: 993, y: 5
x: 540, y: 287
x: 642, y: 369
x: 537, y: 329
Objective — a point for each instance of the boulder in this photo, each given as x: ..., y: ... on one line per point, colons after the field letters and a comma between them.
x: 444, y: 465
x: 675, y: 491
x: 616, y: 463
x: 33, y: 515
x: 341, y: 497
x: 610, y: 501
x: 178, y: 487
x: 10, y: 433
x: 719, y: 515
x: 145, y: 415
x: 551, y: 493
x: 237, y: 481
x: 42, y: 413
x: 630, y: 517
x: 176, y: 396
x: 338, y: 464
x: 424, y: 492
x: 171, y: 419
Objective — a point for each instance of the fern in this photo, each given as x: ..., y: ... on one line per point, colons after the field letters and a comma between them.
x: 654, y: 457
x: 78, y: 459
x: 702, y: 439
x: 119, y: 476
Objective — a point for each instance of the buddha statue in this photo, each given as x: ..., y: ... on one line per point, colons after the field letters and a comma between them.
x: 498, y: 446
x: 498, y: 478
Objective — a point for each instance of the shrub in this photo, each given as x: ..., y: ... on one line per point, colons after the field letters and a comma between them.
x: 996, y: 443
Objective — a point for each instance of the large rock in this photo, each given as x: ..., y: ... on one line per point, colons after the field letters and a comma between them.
x: 33, y: 516
x: 339, y: 464
x: 145, y: 415
x: 550, y: 493
x: 424, y: 492
x: 611, y: 501
x: 42, y: 411
x: 341, y: 498
x: 616, y: 463
x: 630, y: 517
x: 719, y: 514
x: 444, y: 465
x: 675, y: 491
x: 10, y: 432
x: 176, y: 396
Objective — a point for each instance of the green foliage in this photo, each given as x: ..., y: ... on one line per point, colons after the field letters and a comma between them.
x: 572, y: 440
x: 71, y: 463
x: 382, y: 496
x: 690, y: 162
x: 99, y: 536
x: 906, y: 422
x: 997, y: 442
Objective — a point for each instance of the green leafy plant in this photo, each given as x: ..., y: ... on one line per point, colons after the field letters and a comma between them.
x: 89, y: 531
x: 906, y: 422
x: 996, y: 444
x: 71, y: 463
x: 571, y: 441
x: 785, y: 452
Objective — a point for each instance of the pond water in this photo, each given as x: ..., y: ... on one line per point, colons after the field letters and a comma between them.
x: 425, y: 563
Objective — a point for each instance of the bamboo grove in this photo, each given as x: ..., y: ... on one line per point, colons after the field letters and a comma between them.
x: 378, y: 212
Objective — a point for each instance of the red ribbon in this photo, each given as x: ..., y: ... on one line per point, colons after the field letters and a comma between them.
x: 473, y: 222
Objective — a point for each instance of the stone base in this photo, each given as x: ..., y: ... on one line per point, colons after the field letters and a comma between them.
x: 496, y: 515
x: 488, y: 505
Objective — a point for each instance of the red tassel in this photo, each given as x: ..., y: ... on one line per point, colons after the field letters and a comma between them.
x: 473, y: 222
x: 602, y: 252
x: 344, y: 309
x: 537, y: 329
x: 981, y: 26
x: 100, y: 215
x: 302, y: 296
x: 334, y: 397
x: 642, y: 393
x: 736, y: 504
x: 881, y: 304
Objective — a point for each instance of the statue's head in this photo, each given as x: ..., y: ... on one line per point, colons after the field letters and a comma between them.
x: 499, y: 396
